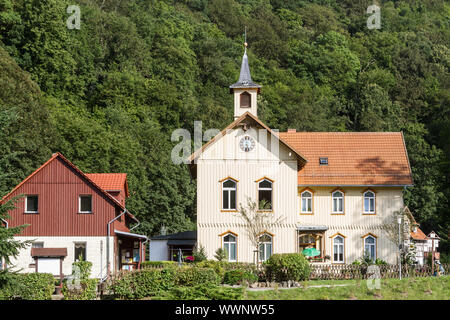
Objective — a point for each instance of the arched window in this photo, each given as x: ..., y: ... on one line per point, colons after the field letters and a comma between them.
x: 370, y: 247
x: 338, y: 249
x: 369, y: 202
x: 229, y: 194
x: 230, y: 247
x: 306, y: 202
x: 265, y: 195
x: 338, y: 202
x: 265, y: 247
x: 246, y: 100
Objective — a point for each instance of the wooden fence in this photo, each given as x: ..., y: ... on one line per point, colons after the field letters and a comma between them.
x: 348, y: 271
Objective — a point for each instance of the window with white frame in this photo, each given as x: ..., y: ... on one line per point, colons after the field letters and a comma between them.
x: 32, y: 204
x: 85, y: 204
x: 306, y: 202
x: 229, y: 194
x: 265, y: 247
x: 80, y: 251
x: 370, y: 247
x: 338, y: 249
x: 338, y: 202
x: 265, y: 195
x: 369, y: 202
x: 230, y: 247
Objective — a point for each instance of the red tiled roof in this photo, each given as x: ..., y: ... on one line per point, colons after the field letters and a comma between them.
x: 110, y: 181
x: 354, y: 158
x: 48, y: 252
x: 418, y: 235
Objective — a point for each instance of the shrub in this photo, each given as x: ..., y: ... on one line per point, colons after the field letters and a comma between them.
x: 217, y: 266
x: 191, y: 276
x: 142, y: 283
x: 158, y: 264
x: 287, y: 266
x: 86, y: 291
x: 220, y: 254
x: 199, y: 253
x: 79, y: 286
x: 239, y: 276
x: 29, y: 286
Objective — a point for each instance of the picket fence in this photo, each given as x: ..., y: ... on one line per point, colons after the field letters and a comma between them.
x: 349, y: 271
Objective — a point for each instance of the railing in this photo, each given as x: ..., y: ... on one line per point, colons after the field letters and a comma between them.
x: 330, y: 272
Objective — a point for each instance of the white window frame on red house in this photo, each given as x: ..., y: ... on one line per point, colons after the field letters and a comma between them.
x: 79, y: 203
x: 26, y: 203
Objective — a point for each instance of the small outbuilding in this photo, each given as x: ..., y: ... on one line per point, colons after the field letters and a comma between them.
x: 167, y: 247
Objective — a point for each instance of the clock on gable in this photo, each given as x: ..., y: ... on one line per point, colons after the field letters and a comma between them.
x: 247, y: 143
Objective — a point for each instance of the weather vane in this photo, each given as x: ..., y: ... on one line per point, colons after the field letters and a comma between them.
x: 245, y: 39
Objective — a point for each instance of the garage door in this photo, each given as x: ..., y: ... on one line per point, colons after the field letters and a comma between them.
x: 49, y: 265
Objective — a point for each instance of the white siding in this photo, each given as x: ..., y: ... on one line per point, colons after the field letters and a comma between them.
x: 159, y: 250
x: 94, y: 253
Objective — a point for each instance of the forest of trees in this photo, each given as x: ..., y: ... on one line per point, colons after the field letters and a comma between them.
x: 109, y: 95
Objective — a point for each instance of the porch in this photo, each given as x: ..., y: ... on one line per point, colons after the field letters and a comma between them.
x: 313, y: 236
x: 130, y: 250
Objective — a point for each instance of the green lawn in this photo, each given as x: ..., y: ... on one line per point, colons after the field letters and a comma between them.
x: 430, y: 288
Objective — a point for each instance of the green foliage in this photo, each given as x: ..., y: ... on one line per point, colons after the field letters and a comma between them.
x: 199, y: 253
x: 287, y: 266
x: 191, y: 276
x: 220, y: 254
x: 87, y: 290
x: 203, y: 292
x: 158, y: 264
x: 9, y: 245
x: 142, y: 283
x: 109, y: 95
x: 80, y: 287
x: 239, y: 276
x: 29, y: 286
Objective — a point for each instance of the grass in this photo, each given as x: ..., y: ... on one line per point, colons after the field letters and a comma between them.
x: 427, y: 288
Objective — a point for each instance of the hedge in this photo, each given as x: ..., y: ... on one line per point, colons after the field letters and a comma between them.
x: 287, y: 266
x: 239, y: 276
x: 86, y: 288
x: 191, y: 276
x: 142, y: 283
x: 158, y: 264
x: 29, y: 286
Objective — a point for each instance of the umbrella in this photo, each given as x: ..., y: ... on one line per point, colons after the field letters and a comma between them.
x: 311, y: 252
x: 180, y: 257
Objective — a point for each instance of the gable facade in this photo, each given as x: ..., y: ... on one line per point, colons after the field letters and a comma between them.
x: 334, y: 191
x: 59, y: 221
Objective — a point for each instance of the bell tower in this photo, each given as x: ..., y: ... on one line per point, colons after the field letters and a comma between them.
x: 245, y: 91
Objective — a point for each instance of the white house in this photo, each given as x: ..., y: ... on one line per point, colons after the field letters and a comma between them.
x: 333, y: 190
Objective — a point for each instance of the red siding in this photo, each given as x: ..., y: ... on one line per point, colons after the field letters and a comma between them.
x: 58, y: 187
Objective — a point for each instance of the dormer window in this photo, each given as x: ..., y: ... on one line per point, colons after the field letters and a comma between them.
x: 323, y: 161
x: 245, y: 100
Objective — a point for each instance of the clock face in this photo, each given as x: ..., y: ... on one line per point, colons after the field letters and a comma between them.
x: 247, y: 143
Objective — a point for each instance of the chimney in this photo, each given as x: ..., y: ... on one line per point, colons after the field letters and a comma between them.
x: 292, y: 130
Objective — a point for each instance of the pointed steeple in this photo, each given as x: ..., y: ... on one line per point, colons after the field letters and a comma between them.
x: 245, y: 90
x: 245, y: 78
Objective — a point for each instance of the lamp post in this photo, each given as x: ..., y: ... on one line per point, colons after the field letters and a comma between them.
x: 399, y: 220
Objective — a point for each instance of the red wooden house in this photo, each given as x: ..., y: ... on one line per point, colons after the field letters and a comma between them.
x: 85, y: 214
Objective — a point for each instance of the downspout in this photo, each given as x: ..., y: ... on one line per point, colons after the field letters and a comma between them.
x: 1, y: 262
x: 108, y: 265
x: 143, y: 249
